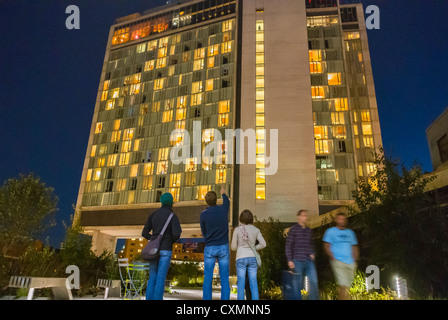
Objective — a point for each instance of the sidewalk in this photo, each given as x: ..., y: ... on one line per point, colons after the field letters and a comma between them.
x: 177, y: 294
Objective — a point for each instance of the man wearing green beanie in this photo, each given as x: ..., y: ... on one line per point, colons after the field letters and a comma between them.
x: 159, y: 268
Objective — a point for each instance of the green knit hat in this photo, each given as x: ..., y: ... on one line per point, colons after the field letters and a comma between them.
x: 167, y: 199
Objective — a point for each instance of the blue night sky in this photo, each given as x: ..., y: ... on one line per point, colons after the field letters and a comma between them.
x: 50, y: 75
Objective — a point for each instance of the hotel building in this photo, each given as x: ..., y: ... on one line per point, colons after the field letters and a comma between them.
x: 301, y: 67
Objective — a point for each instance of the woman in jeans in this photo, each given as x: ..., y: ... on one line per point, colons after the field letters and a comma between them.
x: 245, y: 237
x: 158, y: 268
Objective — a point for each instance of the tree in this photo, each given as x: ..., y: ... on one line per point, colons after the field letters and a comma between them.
x: 400, y: 226
x: 27, y: 208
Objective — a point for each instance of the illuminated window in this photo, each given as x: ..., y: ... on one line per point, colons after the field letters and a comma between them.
x: 209, y: 85
x: 260, y: 191
x: 161, y: 63
x: 128, y: 134
x: 101, y: 162
x: 196, y: 99
x: 167, y: 116
x: 259, y: 107
x: 334, y: 79
x: 164, y: 153
x: 337, y: 118
x: 112, y: 160
x: 259, y: 71
x: 321, y: 132
x: 93, y: 151
x: 260, y: 133
x: 227, y: 26
x: 99, y: 127
x: 223, y: 120
x: 198, y: 64
x: 134, y: 170
x: 126, y: 146
x: 318, y: 92
x: 259, y: 120
x: 210, y: 62
x: 176, y: 138
x: 259, y: 94
x: 220, y: 176
x: 148, y: 169
x: 208, y: 135
x: 131, y: 197
x: 260, y: 161
x: 196, y: 87
x: 147, y: 183
x: 124, y: 159
x: 162, y: 52
x: 224, y: 106
x: 367, y: 129
x: 226, y: 47
x: 117, y: 124
x: 355, y: 130
x: 162, y: 167
x: 315, y: 55
x: 175, y: 180
x: 365, y: 116
x: 260, y: 176
x: 89, y: 175
x: 191, y: 164
x: 339, y: 132
x: 368, y: 141
x: 121, y: 185
x: 202, y: 191
x: 158, y: 84
x: 322, y: 146
x: 181, y: 114
x: 316, y: 67
x: 199, y: 53
x: 260, y: 147
x: 259, y: 58
x: 351, y: 35
x: 213, y: 50
x: 339, y: 104
x: 116, y: 136
x: 181, y: 102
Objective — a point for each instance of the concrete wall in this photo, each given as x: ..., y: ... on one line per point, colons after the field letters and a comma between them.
x: 434, y: 132
x: 287, y: 108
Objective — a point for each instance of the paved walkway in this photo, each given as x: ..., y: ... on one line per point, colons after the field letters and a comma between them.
x: 177, y: 294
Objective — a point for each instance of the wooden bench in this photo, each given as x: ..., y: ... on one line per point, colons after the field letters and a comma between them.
x: 60, y: 287
x: 111, y: 287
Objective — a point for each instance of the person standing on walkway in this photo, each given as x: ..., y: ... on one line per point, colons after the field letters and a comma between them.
x: 159, y: 267
x: 243, y: 242
x: 341, y: 246
x: 214, y: 223
x: 300, y: 255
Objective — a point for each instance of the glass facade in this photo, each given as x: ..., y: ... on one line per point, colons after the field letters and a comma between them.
x: 150, y: 89
x: 334, y: 146
x: 343, y: 130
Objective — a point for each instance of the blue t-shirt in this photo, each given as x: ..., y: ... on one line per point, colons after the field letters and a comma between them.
x: 341, y: 242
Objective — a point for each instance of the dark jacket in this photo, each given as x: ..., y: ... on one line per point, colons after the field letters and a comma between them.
x: 155, y: 223
x: 214, y: 223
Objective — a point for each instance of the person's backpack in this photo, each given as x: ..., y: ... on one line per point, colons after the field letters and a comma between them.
x: 152, y: 249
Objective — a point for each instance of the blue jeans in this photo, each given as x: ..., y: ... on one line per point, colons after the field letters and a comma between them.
x: 306, y: 268
x: 158, y: 270
x: 211, y: 255
x: 249, y: 264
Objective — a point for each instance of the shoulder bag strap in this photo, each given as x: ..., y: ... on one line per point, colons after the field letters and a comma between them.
x: 166, y: 223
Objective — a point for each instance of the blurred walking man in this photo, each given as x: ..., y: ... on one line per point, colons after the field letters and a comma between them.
x: 341, y: 246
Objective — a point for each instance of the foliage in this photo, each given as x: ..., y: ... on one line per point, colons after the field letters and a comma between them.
x: 329, y: 290
x: 272, y: 256
x: 187, y: 274
x: 400, y: 227
x: 27, y: 208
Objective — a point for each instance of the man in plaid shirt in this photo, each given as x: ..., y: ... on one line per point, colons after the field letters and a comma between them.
x: 300, y: 255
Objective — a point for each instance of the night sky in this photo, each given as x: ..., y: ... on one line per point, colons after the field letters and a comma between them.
x: 50, y: 75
